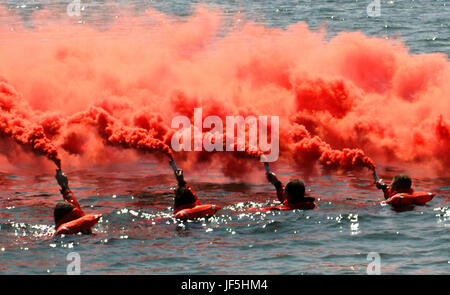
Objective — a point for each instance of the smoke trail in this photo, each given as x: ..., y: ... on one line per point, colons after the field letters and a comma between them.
x: 308, y: 149
x: 118, y: 135
x: 23, y: 132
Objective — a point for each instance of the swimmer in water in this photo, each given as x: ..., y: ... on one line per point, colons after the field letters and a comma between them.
x: 400, y: 184
x: 69, y: 218
x: 292, y: 196
x: 185, y: 197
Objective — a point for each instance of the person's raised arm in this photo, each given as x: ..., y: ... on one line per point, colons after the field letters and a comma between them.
x: 67, y: 194
x: 182, y: 184
x: 382, y: 186
x: 180, y: 178
x: 272, y: 178
x: 178, y: 174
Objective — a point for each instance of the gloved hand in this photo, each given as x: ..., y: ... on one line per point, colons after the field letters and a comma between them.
x: 62, y: 180
x: 179, y: 176
x: 380, y: 184
x: 271, y: 177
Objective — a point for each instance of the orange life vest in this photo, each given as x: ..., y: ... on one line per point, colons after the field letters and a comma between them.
x: 286, y: 206
x: 289, y: 206
x: 197, y: 211
x: 72, y: 215
x: 78, y: 225
x: 76, y: 220
x: 415, y: 198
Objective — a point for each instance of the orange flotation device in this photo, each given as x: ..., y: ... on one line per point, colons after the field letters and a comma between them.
x: 415, y: 198
x: 288, y: 206
x: 80, y: 224
x: 197, y: 211
x: 76, y: 220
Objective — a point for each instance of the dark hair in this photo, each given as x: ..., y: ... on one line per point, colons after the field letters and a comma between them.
x: 295, y: 189
x: 61, y: 209
x: 184, y: 196
x: 401, y: 181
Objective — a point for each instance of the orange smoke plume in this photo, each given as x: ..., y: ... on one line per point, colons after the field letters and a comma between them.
x: 339, y: 99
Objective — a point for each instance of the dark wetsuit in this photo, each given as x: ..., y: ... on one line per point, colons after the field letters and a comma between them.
x: 186, y: 200
x: 76, y: 213
x: 280, y: 195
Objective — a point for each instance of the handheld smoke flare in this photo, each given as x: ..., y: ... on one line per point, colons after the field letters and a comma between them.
x: 174, y: 166
x: 267, y: 167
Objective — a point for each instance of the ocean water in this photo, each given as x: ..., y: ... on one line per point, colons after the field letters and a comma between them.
x: 423, y: 25
x: 137, y: 235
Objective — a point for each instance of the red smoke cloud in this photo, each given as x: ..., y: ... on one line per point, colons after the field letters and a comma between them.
x: 24, y: 132
x: 335, y: 99
x: 117, y: 135
x: 308, y: 149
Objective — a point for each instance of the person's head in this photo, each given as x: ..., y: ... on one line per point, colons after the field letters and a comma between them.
x: 401, y: 181
x: 61, y: 210
x: 184, y: 196
x: 294, y: 190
